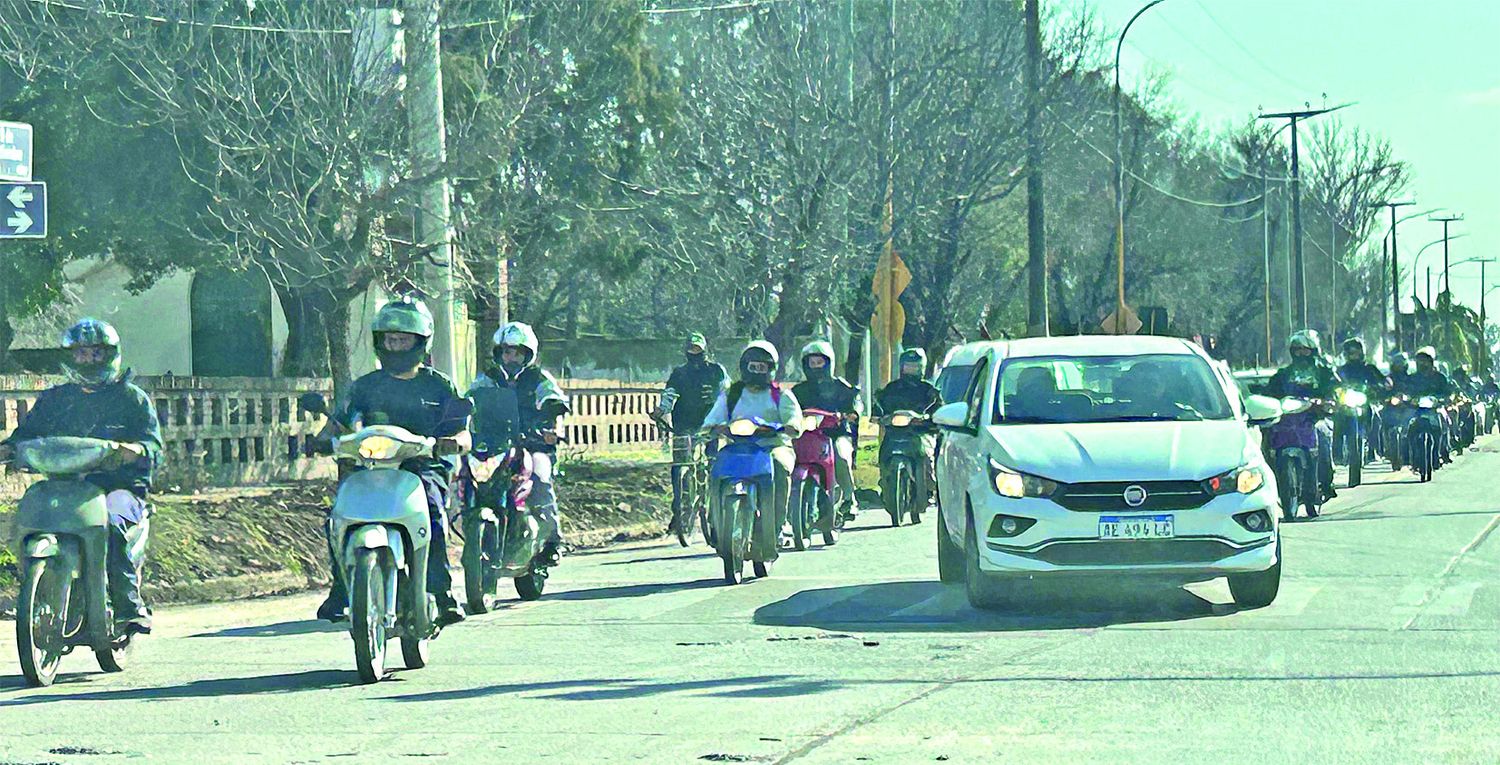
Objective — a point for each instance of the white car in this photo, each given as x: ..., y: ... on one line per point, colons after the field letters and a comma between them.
x: 1105, y: 457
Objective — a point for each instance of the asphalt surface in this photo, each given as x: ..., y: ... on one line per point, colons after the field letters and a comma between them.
x: 1381, y: 648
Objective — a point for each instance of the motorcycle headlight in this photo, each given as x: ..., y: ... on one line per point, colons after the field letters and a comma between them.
x: 743, y: 428
x: 1395, y: 401
x: 1292, y: 405
x: 1427, y: 402
x: 378, y: 448
x: 1352, y: 398
x: 1241, y: 480
x: 1009, y: 483
x: 900, y: 420
x: 811, y: 422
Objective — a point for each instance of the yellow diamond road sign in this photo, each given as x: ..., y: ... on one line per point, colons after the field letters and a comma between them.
x: 1121, y: 322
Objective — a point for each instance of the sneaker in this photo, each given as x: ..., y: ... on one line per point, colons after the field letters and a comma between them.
x: 129, y: 628
x: 551, y: 554
x: 449, y: 613
x: 1329, y: 492
x: 333, y: 610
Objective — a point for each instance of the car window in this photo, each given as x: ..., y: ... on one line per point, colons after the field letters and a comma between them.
x: 1109, y: 389
x: 954, y: 381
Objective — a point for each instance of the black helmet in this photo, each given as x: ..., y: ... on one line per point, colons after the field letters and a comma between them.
x: 406, y: 315
x: 93, y: 333
x: 913, y: 356
x: 1354, y: 344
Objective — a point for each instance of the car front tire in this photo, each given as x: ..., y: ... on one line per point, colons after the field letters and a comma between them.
x: 985, y: 591
x: 950, y: 555
x: 1259, y: 589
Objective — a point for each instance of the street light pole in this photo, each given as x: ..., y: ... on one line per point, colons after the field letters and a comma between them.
x: 1395, y: 272
x: 1300, y: 276
x: 1445, y: 220
x: 1120, y: 179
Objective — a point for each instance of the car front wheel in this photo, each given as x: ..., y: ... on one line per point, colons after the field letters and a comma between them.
x: 1259, y: 589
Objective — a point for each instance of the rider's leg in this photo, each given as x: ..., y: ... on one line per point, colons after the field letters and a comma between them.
x: 682, y: 455
x: 126, y: 511
x: 773, y: 508
x: 543, y: 501
x: 439, y: 581
x: 1325, y: 459
x: 843, y: 471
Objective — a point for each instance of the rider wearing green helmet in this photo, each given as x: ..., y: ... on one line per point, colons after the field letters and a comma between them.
x: 1309, y: 375
x: 407, y: 393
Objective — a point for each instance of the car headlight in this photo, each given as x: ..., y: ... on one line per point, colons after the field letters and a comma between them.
x: 1009, y: 483
x: 1241, y: 480
x: 1352, y: 398
x: 743, y: 428
x: 378, y: 448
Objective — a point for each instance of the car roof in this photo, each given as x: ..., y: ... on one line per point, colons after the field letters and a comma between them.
x: 965, y: 355
x: 1090, y: 345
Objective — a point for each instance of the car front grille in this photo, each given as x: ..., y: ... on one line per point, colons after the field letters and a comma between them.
x: 1134, y: 552
x: 1108, y: 496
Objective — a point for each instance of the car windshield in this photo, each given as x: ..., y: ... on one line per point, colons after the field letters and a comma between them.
x: 1138, y: 388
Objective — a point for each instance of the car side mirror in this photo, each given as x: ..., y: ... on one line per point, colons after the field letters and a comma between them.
x: 313, y: 403
x: 954, y: 415
x: 1262, y: 410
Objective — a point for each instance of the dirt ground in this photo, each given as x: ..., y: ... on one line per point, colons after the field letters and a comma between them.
x: 235, y: 543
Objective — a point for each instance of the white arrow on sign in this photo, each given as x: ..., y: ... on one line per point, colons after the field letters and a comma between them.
x: 20, y: 221
x: 19, y: 196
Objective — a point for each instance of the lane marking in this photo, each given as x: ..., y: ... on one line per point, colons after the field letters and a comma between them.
x: 1448, y: 570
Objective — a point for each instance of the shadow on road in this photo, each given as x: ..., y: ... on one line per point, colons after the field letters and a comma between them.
x: 223, y: 686
x: 280, y: 629
x: 658, y: 559
x: 1364, y: 515
x: 933, y: 606
x: 614, y: 689
x: 634, y: 590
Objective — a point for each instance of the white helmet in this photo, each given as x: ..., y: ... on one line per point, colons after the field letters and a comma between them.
x: 517, y: 334
x: 818, y: 348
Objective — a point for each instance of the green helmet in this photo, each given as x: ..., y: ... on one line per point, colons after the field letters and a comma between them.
x: 93, y: 333
x: 406, y: 315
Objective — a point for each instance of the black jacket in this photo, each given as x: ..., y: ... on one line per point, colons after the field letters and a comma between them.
x: 910, y: 394
x: 118, y: 411
x: 697, y: 387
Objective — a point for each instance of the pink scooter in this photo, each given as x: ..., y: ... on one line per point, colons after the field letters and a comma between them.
x: 811, y: 503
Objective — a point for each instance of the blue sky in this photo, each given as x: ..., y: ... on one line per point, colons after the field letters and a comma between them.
x: 1425, y: 74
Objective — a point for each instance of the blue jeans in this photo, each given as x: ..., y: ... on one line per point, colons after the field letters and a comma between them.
x: 126, y: 511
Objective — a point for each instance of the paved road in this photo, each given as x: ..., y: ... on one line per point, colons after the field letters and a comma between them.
x: 1381, y: 648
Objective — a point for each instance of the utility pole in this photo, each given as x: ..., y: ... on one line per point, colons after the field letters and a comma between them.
x: 1445, y: 220
x: 1395, y: 273
x: 1299, y: 277
x: 1037, y: 323
x: 1265, y: 243
x: 429, y: 155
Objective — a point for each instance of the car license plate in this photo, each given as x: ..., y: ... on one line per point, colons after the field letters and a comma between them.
x: 1136, y: 527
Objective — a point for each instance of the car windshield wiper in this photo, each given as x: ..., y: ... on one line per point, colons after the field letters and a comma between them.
x: 1023, y: 420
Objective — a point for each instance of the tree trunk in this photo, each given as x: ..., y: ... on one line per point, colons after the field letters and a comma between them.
x: 310, y: 313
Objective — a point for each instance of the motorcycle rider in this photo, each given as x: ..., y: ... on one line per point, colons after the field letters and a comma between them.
x: 1309, y: 375
x: 910, y: 392
x: 1427, y: 380
x: 101, y: 401
x: 692, y: 388
x: 1357, y: 372
x: 824, y: 390
x: 757, y: 395
x: 1400, y: 370
x: 540, y: 401
x: 405, y: 392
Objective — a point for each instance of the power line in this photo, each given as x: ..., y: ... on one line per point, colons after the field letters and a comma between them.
x: 188, y: 22
x: 1149, y: 184
x: 1247, y: 52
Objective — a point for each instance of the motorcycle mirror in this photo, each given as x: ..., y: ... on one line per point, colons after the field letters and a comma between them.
x: 313, y: 403
x: 1262, y: 410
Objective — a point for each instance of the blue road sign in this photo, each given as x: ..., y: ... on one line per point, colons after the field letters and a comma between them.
x: 23, y: 210
x: 15, y: 151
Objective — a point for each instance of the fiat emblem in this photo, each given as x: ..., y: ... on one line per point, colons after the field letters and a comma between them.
x: 1135, y: 496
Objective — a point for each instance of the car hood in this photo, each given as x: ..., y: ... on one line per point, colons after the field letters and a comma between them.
x: 1124, y: 451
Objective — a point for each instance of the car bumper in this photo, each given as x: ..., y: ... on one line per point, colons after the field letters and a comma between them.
x: 1208, y: 540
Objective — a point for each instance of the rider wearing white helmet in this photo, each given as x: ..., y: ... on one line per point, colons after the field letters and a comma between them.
x: 824, y: 389
x: 538, y: 402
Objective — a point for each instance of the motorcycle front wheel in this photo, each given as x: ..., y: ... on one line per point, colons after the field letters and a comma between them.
x: 1289, y: 485
x: 367, y: 599
x: 732, y: 540
x: 900, y: 493
x: 41, y: 618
